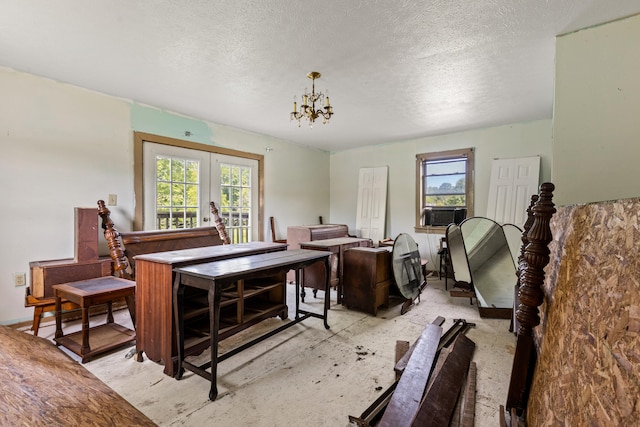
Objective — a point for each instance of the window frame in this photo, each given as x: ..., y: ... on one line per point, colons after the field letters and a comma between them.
x: 140, y: 137
x: 467, y: 153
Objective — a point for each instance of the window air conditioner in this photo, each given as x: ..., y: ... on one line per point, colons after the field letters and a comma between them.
x: 443, y: 216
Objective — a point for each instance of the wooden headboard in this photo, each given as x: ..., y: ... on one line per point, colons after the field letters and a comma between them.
x: 145, y: 242
x: 125, y: 246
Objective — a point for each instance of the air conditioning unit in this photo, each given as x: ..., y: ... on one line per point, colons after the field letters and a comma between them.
x: 443, y: 216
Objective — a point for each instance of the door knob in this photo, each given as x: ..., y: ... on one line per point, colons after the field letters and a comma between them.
x: 205, y: 219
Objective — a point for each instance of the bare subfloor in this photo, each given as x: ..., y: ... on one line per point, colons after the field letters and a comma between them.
x: 307, y: 375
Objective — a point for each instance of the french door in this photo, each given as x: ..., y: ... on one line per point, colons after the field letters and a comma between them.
x: 179, y: 183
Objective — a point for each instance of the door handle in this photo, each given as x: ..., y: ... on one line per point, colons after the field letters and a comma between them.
x: 205, y: 219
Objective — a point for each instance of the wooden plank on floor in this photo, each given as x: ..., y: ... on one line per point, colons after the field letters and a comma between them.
x: 402, y: 347
x: 402, y: 363
x: 469, y: 405
x: 440, y: 400
x: 407, y: 396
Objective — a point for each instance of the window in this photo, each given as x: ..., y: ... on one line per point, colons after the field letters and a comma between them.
x: 444, y: 188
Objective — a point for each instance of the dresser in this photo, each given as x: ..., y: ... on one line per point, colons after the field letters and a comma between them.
x: 367, y: 278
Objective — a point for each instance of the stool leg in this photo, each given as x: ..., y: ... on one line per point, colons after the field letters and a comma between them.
x: 85, y: 331
x: 110, y: 312
x: 58, y: 318
x: 37, y: 315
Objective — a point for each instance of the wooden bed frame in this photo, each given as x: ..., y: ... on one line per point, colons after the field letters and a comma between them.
x: 145, y: 242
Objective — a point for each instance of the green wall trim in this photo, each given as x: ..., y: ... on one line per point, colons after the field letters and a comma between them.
x: 160, y: 122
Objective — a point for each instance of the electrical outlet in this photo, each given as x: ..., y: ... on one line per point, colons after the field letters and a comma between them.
x: 113, y: 200
x: 20, y: 279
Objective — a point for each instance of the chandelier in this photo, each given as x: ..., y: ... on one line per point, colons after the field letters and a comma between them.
x: 308, y: 107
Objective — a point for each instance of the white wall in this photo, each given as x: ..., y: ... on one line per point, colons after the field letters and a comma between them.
x: 596, y: 124
x: 65, y: 147
x: 518, y: 140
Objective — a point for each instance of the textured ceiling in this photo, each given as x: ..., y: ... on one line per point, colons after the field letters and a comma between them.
x: 394, y: 70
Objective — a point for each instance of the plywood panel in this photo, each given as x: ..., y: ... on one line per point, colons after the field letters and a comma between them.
x: 589, y: 337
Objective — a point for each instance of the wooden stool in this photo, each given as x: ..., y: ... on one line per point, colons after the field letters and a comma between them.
x: 87, y: 293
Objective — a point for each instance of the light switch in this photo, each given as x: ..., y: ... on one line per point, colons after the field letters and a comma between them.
x: 20, y: 279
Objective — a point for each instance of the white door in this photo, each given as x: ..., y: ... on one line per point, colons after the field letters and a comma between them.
x: 512, y: 183
x: 179, y: 184
x: 372, y: 203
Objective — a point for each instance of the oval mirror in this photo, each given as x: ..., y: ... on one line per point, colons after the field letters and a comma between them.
x: 405, y: 260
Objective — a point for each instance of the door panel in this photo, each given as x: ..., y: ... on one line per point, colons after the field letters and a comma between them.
x: 235, y: 181
x: 163, y: 206
x: 513, y: 181
x: 372, y: 203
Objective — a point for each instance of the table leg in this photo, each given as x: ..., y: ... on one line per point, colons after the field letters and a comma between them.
x: 214, y: 315
x: 327, y: 291
x: 131, y: 306
x: 297, y: 285
x: 300, y: 279
x: 178, y: 309
x: 85, y: 331
x: 340, y: 274
x: 58, y: 317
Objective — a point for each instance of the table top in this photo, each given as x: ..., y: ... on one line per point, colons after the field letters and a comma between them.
x: 337, y: 241
x: 236, y: 267
x: 98, y: 285
x: 215, y: 251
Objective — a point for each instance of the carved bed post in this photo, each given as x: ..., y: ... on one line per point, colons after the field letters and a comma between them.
x: 521, y: 266
x: 534, y: 259
x: 525, y: 239
x: 219, y: 224
x: 112, y: 236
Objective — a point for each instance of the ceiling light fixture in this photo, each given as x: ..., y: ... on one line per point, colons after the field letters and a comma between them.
x: 308, y: 107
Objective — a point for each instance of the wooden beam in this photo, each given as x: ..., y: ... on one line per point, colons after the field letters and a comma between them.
x: 407, y: 396
x: 440, y: 400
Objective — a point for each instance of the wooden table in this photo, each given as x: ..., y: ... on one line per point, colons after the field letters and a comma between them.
x: 336, y: 247
x: 224, y: 279
x: 87, y: 293
x: 154, y: 296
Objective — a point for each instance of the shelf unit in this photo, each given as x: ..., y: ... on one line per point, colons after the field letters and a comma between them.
x: 243, y: 304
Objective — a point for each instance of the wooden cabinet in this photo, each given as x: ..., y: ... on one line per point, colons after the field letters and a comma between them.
x: 367, y: 278
x: 155, y: 326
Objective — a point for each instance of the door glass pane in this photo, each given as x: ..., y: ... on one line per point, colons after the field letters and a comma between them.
x: 235, y: 201
x: 177, y: 188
